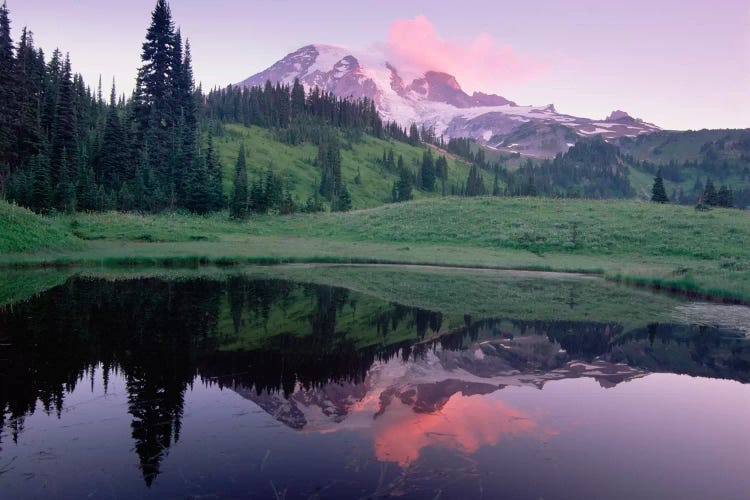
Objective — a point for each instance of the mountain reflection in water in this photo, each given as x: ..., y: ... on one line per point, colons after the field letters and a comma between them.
x: 320, y: 360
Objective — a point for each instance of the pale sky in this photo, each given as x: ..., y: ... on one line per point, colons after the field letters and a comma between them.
x: 681, y: 64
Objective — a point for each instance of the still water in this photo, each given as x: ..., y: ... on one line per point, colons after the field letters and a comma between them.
x: 263, y: 387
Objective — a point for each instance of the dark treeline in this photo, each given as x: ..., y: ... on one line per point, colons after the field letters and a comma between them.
x: 69, y: 149
x: 301, y: 116
x: 706, y: 170
x: 65, y: 147
x: 592, y: 168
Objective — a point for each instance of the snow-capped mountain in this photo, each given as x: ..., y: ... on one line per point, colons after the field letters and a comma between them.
x: 436, y: 99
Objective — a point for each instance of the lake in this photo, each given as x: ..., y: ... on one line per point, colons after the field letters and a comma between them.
x: 367, y: 382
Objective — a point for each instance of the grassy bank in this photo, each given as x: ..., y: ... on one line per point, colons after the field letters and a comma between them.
x: 657, y: 245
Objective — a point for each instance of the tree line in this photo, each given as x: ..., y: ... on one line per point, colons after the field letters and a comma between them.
x: 65, y: 147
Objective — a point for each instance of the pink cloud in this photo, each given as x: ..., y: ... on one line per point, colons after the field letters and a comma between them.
x: 481, y: 63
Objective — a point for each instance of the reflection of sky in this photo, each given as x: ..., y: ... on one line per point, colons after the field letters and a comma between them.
x: 657, y: 436
x: 464, y: 424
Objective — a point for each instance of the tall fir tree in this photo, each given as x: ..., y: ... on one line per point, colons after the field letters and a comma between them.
x: 113, y: 159
x: 658, y: 193
x: 427, y: 171
x: 7, y: 97
x: 238, y: 206
x: 154, y: 97
x: 710, y: 196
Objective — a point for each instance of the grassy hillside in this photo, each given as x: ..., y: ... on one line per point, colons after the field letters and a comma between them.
x: 23, y: 231
x: 296, y: 164
x: 667, y: 245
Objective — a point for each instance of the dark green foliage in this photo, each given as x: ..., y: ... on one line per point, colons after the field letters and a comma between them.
x: 427, y: 171
x: 345, y: 200
x: 238, y: 206
x: 329, y: 160
x: 710, y: 196
x: 441, y: 168
x: 198, y: 192
x: 725, y: 197
x: 268, y: 194
x: 41, y: 192
x: 215, y: 182
x: 475, y: 183
x: 402, y: 188
x: 658, y: 193
x: 7, y: 96
x: 113, y: 158
x: 65, y: 191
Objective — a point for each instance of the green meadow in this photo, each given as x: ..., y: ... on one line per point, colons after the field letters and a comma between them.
x: 657, y: 245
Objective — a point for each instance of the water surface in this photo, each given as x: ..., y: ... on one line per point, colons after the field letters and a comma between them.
x: 399, y: 383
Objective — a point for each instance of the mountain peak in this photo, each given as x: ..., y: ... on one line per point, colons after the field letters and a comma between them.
x: 435, y: 99
x: 617, y: 115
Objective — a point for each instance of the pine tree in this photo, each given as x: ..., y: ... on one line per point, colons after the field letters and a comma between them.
x: 113, y: 158
x: 238, y: 206
x: 725, y: 197
x: 345, y: 200
x: 86, y: 192
x: 658, y: 193
x: 64, y: 138
x: 298, y: 99
x: 710, y: 196
x: 215, y: 185
x: 65, y: 191
x: 404, y: 185
x: 154, y: 97
x: 496, y: 184
x: 199, y: 198
x: 427, y: 171
x: 41, y: 196
x: 474, y: 183
x: 7, y: 97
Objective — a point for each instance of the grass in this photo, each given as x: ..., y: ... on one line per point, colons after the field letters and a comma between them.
x: 23, y: 231
x: 643, y: 243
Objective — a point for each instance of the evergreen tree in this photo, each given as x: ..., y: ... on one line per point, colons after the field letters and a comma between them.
x: 215, y: 184
x: 41, y: 195
x: 496, y: 184
x: 297, y: 99
x: 474, y: 183
x: 725, y: 197
x: 7, y: 97
x: 154, y: 97
x: 238, y: 206
x: 345, y: 200
x: 64, y: 137
x: 427, y: 171
x: 658, y: 193
x: 113, y: 158
x: 404, y: 185
x: 330, y: 181
x: 199, y: 196
x: 710, y: 196
x: 441, y: 168
x: 86, y: 188
x: 65, y: 191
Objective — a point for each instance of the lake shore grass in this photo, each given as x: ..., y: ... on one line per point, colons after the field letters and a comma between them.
x: 660, y: 246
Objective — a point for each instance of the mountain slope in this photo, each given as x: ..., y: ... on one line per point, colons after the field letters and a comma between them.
x: 434, y: 99
x: 295, y: 164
